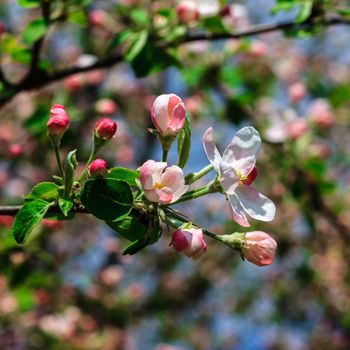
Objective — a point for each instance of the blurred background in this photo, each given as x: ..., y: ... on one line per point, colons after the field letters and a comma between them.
x: 71, y: 288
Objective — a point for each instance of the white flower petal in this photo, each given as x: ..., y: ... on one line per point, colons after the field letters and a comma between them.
x: 255, y: 204
x: 228, y: 178
x: 238, y: 211
x: 243, y: 150
x: 210, y: 149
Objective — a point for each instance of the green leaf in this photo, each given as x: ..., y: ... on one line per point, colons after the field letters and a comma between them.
x: 47, y: 191
x: 132, y: 227
x: 152, y: 59
x: 78, y: 17
x: 34, y: 30
x: 59, y: 216
x: 28, y: 3
x: 137, y: 44
x: 124, y: 174
x: 152, y: 236
x: 214, y: 24
x: 28, y: 218
x: 65, y: 204
x: 304, y: 11
x: 119, y: 39
x: 184, y: 143
x: 107, y: 199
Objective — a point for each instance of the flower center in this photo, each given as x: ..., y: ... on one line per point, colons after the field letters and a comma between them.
x: 158, y: 186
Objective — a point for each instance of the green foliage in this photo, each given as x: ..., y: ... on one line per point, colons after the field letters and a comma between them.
x: 65, y: 204
x: 29, y: 3
x: 124, y: 174
x: 70, y: 166
x: 28, y: 218
x: 107, y: 199
x: 214, y: 24
x: 34, y: 30
x: 184, y: 143
x: 47, y: 191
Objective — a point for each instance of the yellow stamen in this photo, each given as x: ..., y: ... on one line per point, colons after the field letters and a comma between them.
x: 158, y: 186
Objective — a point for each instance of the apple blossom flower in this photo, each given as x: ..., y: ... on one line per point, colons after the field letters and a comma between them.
x: 168, y: 114
x: 189, y: 241
x: 187, y: 11
x: 259, y: 248
x: 98, y: 167
x: 160, y: 183
x: 58, y: 121
x: 105, y: 129
x: 106, y: 106
x: 320, y: 113
x: 234, y: 167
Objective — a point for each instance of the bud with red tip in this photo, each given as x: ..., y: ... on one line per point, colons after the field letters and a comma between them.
x: 259, y: 248
x: 98, y: 168
x: 168, y: 115
x: 57, y: 123
x: 105, y: 129
x: 189, y: 241
x: 187, y: 11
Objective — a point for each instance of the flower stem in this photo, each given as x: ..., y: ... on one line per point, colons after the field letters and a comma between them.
x: 58, y: 157
x: 193, y: 177
x: 93, y: 153
x: 199, y: 192
x: 165, y: 155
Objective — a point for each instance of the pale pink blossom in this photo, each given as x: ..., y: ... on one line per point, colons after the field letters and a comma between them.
x: 106, y: 106
x: 189, y: 242
x: 296, y: 128
x: 320, y: 113
x: 168, y: 114
x: 234, y: 167
x: 160, y: 183
x: 259, y: 248
x: 187, y: 11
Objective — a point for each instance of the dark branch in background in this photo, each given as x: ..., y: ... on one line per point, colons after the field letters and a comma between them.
x: 40, y: 79
x: 12, y: 210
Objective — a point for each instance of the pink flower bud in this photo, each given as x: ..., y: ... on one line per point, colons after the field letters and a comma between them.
x: 259, y: 248
x: 58, y: 121
x: 251, y: 177
x: 162, y: 185
x: 97, y: 17
x: 190, y: 242
x: 187, y: 11
x: 258, y: 48
x: 15, y: 150
x: 320, y: 113
x: 98, y: 167
x: 168, y: 114
x: 105, y: 129
x: 296, y: 92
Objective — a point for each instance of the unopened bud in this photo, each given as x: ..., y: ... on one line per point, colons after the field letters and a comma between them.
x: 168, y: 114
x: 190, y: 242
x: 259, y: 248
x: 296, y: 92
x: 187, y: 11
x: 105, y: 129
x: 98, y: 168
x: 58, y: 122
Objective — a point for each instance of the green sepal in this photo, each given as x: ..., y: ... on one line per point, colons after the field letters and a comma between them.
x: 184, y: 142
